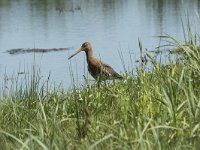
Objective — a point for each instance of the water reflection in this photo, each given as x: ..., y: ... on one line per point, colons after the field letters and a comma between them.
x: 109, y: 25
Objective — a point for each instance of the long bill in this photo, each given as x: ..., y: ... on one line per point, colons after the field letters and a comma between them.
x: 78, y: 51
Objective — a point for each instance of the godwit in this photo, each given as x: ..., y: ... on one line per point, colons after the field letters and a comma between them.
x: 98, y: 69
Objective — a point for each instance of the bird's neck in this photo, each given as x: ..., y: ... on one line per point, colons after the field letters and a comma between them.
x: 89, y: 55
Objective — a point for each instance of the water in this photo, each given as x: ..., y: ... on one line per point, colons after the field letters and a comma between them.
x: 110, y: 25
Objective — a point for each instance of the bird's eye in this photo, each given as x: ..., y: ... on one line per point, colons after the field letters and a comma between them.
x: 85, y: 44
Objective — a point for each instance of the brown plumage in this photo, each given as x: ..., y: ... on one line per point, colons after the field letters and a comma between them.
x: 98, y: 69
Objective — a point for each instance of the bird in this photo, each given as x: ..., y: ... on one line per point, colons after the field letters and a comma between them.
x: 99, y: 70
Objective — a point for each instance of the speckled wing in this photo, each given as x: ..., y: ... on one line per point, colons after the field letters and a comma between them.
x: 108, y: 72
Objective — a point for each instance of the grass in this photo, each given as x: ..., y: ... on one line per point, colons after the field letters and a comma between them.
x: 156, y: 108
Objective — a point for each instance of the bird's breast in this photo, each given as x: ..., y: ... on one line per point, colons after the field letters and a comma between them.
x: 94, y: 69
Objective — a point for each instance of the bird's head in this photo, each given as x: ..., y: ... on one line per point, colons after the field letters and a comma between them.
x: 86, y: 46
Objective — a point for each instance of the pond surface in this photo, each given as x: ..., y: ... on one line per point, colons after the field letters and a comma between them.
x: 112, y: 26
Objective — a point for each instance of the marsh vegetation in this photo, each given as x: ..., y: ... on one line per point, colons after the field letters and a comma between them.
x: 155, y: 106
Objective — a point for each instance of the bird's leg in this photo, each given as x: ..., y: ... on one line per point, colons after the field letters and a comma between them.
x: 105, y: 84
x: 98, y: 82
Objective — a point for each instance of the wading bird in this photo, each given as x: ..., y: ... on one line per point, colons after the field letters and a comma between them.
x: 99, y: 70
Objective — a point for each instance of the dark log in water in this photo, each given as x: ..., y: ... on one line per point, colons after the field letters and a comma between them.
x: 35, y: 50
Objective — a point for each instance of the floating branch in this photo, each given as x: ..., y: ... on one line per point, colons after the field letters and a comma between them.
x: 35, y: 50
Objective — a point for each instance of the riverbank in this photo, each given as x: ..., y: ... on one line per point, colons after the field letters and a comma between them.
x: 156, y: 108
